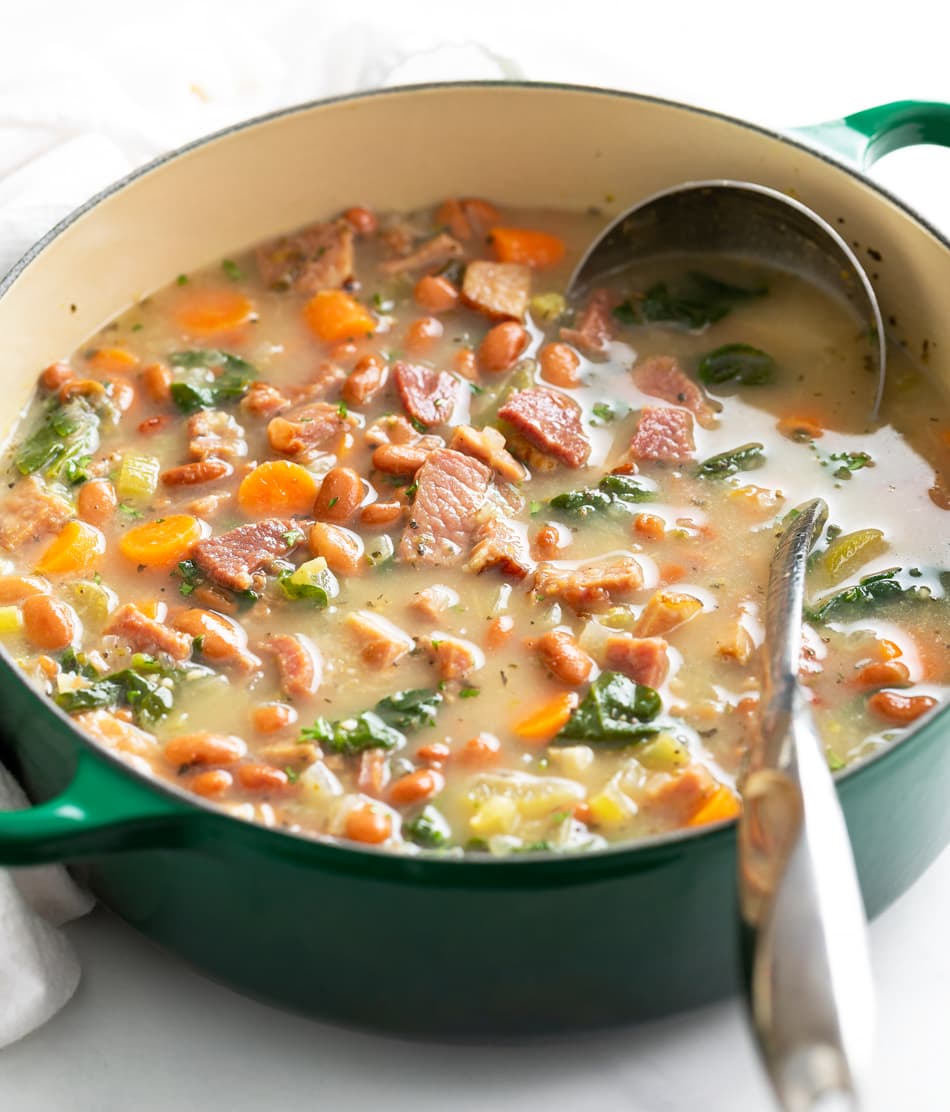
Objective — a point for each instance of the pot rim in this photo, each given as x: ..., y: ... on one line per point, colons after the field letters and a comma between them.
x: 621, y: 856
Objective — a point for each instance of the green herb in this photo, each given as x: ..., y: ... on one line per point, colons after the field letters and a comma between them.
x: 849, y: 462
x: 606, y: 412
x: 232, y: 270
x: 383, y: 304
x: 739, y: 363
x: 352, y: 735
x: 292, y: 774
x: 429, y: 829
x: 129, y: 511
x: 201, y: 388
x: 191, y: 577
x: 142, y: 688
x: 698, y: 300
x: 882, y: 586
x: 744, y: 458
x: 292, y: 537
x: 470, y: 692
x: 410, y: 709
x: 182, y: 280
x: 612, y: 491
x: 418, y: 425
x: 319, y: 593
x: 333, y: 501
x: 535, y: 508
x: 835, y: 763
x: 613, y: 712
x: 198, y: 643
x: 62, y: 446
x: 411, y: 491
x: 342, y: 410
x: 71, y: 661
x: 137, y: 327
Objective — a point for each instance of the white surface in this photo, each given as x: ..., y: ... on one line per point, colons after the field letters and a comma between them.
x: 145, y: 1032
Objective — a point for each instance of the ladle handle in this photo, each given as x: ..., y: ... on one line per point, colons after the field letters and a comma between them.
x: 864, y: 137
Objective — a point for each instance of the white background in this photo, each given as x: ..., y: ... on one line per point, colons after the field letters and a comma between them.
x: 144, y: 1031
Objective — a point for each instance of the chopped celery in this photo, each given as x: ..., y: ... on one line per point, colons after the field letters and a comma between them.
x: 312, y: 580
x: 138, y: 478
x: 547, y: 307
x: 11, y: 620
x: 664, y: 753
x: 94, y: 602
x: 850, y: 551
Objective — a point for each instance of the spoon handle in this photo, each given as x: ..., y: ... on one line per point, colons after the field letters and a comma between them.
x: 804, y: 939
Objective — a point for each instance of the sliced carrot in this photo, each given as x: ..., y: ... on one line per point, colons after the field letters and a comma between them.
x: 276, y: 488
x: 722, y: 804
x: 334, y: 315
x: 206, y: 312
x: 800, y: 427
x: 548, y: 720
x: 74, y: 551
x: 161, y: 543
x: 113, y: 359
x: 530, y: 248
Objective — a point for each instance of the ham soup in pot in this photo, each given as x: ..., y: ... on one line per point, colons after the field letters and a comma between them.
x: 370, y: 535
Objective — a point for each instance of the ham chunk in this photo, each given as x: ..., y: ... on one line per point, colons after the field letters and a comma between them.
x: 431, y: 255
x: 499, y: 290
x: 455, y: 657
x: 594, y: 329
x: 429, y: 397
x: 661, y: 376
x: 432, y: 602
x: 144, y: 635
x: 665, y: 611
x: 499, y: 545
x: 264, y: 400
x: 318, y: 258
x: 590, y: 586
x: 676, y: 799
x: 549, y: 420
x: 643, y: 659
x: 663, y: 434
x: 29, y: 512
x: 214, y: 433
x: 234, y: 559
x: 451, y: 489
x: 309, y: 431
x: 488, y: 445
x: 383, y: 644
x: 299, y: 663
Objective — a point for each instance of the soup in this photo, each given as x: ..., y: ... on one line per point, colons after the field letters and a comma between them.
x: 369, y: 535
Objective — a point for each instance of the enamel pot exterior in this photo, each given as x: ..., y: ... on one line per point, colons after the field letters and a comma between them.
x: 436, y: 947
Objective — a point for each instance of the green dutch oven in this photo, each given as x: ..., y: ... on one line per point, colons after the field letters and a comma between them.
x: 444, y: 947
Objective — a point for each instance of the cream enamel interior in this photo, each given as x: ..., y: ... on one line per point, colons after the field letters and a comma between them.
x: 524, y: 145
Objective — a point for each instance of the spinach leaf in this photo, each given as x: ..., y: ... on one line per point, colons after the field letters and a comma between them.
x: 740, y: 363
x: 698, y: 300
x: 429, y: 829
x: 144, y: 688
x: 882, y: 586
x: 63, y: 444
x: 613, y: 712
x: 849, y: 462
x: 352, y: 735
x: 200, y: 388
x: 611, y: 491
x: 313, y: 592
x: 744, y: 458
x: 410, y: 709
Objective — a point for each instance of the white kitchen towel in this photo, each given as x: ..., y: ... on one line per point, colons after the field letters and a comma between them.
x: 81, y: 120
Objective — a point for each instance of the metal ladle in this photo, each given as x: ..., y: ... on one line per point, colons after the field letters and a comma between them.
x: 739, y: 219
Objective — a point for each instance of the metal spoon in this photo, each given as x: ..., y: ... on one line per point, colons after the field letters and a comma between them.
x: 805, y: 942
x: 742, y: 219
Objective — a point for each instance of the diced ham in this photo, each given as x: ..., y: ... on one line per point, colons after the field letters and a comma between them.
x: 451, y: 489
x: 594, y: 326
x: 308, y: 430
x: 234, y: 559
x: 144, y: 635
x: 200, y: 471
x: 643, y: 659
x: 454, y: 657
x: 431, y: 255
x: 499, y: 545
x: 383, y: 644
x: 214, y: 433
x: 499, y: 290
x: 665, y: 611
x: 549, y: 420
x: 264, y: 400
x: 318, y: 258
x: 737, y: 644
x: 676, y: 799
x: 661, y: 376
x: 591, y: 585
x: 664, y: 434
x: 324, y: 381
x: 299, y: 663
x: 210, y: 504
x: 428, y: 396
x: 29, y: 512
x: 114, y: 733
x: 432, y: 602
x: 488, y: 445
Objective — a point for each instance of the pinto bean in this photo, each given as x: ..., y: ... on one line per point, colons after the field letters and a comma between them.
x: 204, y: 748
x: 201, y: 471
x: 153, y: 424
x: 416, y: 786
x: 895, y: 707
x: 157, y: 381
x: 365, y: 381
x: 97, y: 501
x: 222, y: 639
x: 339, y: 495
x: 499, y: 630
x: 400, y: 459
x: 368, y: 824
x: 883, y: 673
x: 484, y: 749
x: 362, y: 220
x: 271, y: 718
x: 561, y: 655
x: 560, y: 365
x: 262, y: 777
x: 341, y: 548
x: 213, y: 781
x: 81, y: 388
x: 547, y: 542
x: 49, y: 623
x: 380, y: 515
x: 465, y: 363
x: 55, y: 375
x: 422, y: 334
x: 436, y: 753
x: 435, y: 294
x: 501, y: 346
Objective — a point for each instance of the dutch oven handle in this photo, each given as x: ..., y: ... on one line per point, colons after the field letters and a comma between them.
x: 864, y: 137
x: 101, y: 811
